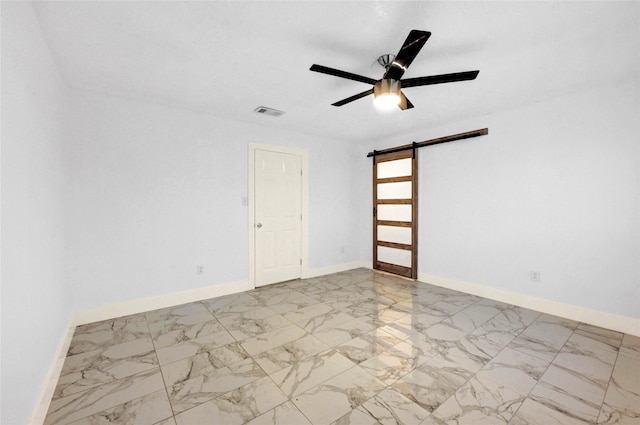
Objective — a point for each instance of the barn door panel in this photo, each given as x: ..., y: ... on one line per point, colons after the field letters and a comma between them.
x: 395, y: 248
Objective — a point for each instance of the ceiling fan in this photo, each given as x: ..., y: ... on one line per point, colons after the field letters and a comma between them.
x: 387, y: 91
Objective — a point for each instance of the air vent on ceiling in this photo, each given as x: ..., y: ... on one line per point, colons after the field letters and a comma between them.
x: 268, y: 111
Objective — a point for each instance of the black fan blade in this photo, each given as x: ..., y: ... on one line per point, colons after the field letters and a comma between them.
x: 412, y: 45
x: 439, y: 79
x: 342, y: 74
x: 352, y: 98
x: 404, y: 102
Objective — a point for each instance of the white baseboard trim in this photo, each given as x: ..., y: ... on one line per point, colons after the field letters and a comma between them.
x: 46, y: 393
x: 628, y: 325
x: 118, y: 310
x: 337, y: 268
x: 161, y: 301
x: 126, y: 308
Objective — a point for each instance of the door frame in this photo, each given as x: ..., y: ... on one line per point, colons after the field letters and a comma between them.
x: 251, y: 229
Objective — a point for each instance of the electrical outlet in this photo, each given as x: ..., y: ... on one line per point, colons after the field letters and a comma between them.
x: 199, y: 269
x: 534, y: 275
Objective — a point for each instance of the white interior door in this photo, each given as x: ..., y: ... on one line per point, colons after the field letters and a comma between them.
x: 277, y: 216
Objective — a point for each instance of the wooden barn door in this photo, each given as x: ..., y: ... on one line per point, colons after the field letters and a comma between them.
x: 395, y: 213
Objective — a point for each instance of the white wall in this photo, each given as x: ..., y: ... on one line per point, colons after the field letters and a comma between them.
x: 107, y: 200
x: 35, y: 308
x: 553, y: 188
x: 157, y: 190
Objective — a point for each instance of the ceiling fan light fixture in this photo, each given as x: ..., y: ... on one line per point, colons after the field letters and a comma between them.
x: 386, y: 94
x: 386, y: 91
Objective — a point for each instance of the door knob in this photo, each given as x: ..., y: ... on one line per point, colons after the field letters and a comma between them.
x: 259, y: 225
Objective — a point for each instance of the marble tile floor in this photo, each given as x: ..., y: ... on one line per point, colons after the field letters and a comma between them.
x: 350, y: 348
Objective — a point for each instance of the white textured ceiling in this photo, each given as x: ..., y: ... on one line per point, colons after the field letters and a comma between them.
x: 227, y: 58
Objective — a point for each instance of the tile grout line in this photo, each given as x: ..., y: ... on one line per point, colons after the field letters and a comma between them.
x: 164, y: 382
x: 606, y: 390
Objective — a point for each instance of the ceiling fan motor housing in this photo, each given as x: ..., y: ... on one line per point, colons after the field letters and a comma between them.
x: 386, y: 87
x: 386, y: 93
